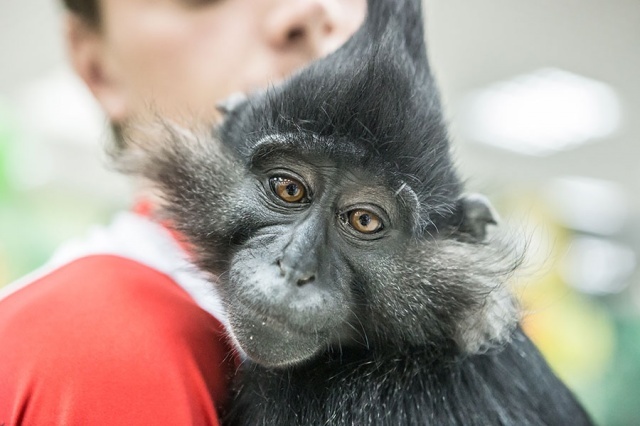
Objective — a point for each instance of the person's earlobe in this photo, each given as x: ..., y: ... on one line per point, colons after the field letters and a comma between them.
x: 91, y: 62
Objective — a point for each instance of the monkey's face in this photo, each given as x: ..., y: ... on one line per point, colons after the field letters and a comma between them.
x: 320, y: 244
x: 313, y: 226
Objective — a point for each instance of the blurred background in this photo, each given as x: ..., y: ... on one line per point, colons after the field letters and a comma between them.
x: 542, y: 97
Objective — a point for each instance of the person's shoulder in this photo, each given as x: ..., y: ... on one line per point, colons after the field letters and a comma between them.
x: 104, y: 297
x: 110, y: 268
x: 102, y: 323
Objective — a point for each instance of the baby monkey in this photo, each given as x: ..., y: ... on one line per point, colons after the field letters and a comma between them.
x: 357, y: 277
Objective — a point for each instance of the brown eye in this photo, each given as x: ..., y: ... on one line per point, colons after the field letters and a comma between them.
x: 364, y: 221
x: 287, y: 189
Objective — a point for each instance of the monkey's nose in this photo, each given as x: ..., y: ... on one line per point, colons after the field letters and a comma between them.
x: 294, y: 275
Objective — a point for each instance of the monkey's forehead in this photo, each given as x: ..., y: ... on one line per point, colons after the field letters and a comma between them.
x: 391, y: 159
x: 307, y: 143
x: 340, y: 153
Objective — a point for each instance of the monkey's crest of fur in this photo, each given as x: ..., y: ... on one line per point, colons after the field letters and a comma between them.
x: 375, y: 93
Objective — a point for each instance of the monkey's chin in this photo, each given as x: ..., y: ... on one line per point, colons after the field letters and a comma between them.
x: 271, y: 343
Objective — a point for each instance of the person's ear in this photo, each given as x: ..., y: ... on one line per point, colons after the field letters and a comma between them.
x: 89, y: 57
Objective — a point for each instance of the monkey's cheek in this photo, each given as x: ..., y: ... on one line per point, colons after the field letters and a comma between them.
x: 272, y: 344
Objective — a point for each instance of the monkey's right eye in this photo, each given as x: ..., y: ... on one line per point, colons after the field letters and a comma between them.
x: 288, y: 189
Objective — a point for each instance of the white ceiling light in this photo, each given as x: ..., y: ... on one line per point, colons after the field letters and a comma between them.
x: 588, y: 205
x: 598, y: 266
x: 541, y: 113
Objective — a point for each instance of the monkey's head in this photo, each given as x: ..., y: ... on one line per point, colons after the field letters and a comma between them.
x: 331, y: 211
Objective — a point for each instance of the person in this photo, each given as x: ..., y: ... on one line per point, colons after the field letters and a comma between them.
x: 119, y: 327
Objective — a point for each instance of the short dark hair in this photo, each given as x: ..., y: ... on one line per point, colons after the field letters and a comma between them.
x: 89, y: 10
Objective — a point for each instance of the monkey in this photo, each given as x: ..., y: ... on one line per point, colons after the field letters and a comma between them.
x: 359, y: 279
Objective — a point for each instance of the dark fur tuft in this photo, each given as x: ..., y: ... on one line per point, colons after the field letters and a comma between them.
x: 375, y: 92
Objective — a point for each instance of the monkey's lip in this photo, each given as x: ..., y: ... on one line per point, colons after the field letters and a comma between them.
x: 270, y: 341
x: 271, y: 321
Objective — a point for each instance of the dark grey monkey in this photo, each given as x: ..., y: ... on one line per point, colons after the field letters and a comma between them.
x: 356, y: 275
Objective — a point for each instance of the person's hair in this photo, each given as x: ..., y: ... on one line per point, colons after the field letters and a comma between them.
x: 89, y: 10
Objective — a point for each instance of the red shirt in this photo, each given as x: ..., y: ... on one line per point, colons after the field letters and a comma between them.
x: 104, y: 337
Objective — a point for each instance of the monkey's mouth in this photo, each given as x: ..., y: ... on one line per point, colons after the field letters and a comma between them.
x: 269, y: 341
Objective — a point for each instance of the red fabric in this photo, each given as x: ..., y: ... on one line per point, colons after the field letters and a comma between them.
x: 144, y: 207
x: 105, y: 340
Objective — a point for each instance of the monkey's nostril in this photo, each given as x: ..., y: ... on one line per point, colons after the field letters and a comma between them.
x: 293, y: 275
x: 306, y: 280
x: 282, y: 271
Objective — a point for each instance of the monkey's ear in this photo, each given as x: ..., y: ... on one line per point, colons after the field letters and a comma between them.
x: 477, y: 214
x: 231, y: 103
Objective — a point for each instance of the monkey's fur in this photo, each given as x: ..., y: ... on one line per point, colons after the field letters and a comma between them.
x: 409, y: 325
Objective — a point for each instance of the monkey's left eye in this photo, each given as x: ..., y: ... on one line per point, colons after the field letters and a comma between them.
x: 287, y: 189
x: 364, y: 221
